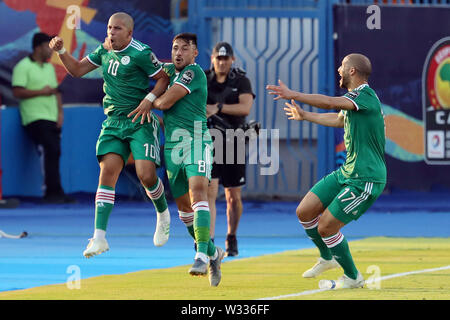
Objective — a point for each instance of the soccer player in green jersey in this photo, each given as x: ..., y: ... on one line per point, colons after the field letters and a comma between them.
x: 127, y: 65
x: 188, y: 150
x: 345, y: 194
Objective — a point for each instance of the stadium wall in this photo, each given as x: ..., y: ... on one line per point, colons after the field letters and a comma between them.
x: 409, y: 47
x: 305, y: 150
x: 79, y: 168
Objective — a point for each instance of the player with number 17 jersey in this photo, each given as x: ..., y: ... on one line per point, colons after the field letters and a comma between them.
x: 365, y: 148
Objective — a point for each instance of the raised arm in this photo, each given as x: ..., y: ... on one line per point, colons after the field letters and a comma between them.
x: 73, y: 66
x: 331, y: 119
x: 316, y: 100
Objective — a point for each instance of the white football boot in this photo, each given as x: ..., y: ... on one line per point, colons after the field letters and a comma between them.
x: 95, y: 247
x: 343, y: 282
x: 321, y: 266
x: 161, y: 235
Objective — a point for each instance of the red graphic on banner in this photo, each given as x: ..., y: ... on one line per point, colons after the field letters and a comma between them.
x: 51, y: 18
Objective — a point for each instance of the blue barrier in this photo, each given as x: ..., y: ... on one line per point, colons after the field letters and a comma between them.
x: 22, y: 175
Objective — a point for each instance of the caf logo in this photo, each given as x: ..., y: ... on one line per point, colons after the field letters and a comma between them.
x: 436, y: 102
x: 438, y: 75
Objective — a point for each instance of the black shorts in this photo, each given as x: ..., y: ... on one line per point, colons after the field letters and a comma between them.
x: 229, y: 175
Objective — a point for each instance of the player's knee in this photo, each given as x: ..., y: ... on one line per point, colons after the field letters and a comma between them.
x: 148, y: 179
x: 303, y: 214
x: 298, y: 212
x: 108, y: 172
x: 199, y: 193
x: 322, y: 230
x: 326, y: 230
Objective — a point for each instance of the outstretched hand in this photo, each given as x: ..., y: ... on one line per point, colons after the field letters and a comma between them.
x: 282, y: 91
x: 143, y: 110
x: 294, y: 112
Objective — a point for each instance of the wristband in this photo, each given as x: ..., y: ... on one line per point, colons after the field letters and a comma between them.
x: 150, y: 97
x: 62, y: 51
x: 219, y: 107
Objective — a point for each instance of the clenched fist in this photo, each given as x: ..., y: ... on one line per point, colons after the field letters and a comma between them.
x: 107, y: 45
x: 56, y: 44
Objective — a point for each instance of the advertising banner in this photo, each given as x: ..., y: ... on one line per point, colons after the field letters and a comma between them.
x: 82, y: 24
x: 409, y: 49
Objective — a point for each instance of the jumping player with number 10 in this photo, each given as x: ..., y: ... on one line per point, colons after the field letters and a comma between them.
x: 127, y: 65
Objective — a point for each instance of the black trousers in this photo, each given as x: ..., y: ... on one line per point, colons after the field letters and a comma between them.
x: 47, y: 138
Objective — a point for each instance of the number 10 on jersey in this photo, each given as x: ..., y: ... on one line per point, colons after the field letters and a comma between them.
x: 113, y: 66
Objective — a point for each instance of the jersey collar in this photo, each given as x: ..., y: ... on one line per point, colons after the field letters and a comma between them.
x: 192, y: 64
x: 362, y: 86
x: 129, y: 44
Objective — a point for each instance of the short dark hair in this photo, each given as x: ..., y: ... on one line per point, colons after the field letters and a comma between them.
x: 361, y: 63
x: 189, y: 37
x: 39, y: 38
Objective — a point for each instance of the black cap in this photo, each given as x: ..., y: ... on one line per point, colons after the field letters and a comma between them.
x: 40, y: 38
x: 223, y: 49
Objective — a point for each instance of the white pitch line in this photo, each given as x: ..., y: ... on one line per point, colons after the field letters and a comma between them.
x: 396, y: 275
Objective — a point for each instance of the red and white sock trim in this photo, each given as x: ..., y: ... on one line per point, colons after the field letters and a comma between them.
x: 157, y: 192
x: 105, y: 195
x: 310, y: 224
x: 200, y: 205
x: 333, y: 240
x: 186, y: 217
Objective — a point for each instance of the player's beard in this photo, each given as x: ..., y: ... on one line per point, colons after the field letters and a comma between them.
x: 345, y: 81
x: 180, y: 65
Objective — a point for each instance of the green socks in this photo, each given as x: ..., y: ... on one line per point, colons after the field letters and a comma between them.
x: 202, y: 220
x: 338, y: 246
x: 335, y: 246
x: 156, y: 194
x: 104, y: 203
x: 312, y: 232
x: 188, y: 219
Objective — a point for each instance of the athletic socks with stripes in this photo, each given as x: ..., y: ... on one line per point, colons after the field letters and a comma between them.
x: 157, y: 195
x: 335, y: 246
x: 198, y: 224
x: 340, y: 250
x: 104, y: 203
x: 311, y: 229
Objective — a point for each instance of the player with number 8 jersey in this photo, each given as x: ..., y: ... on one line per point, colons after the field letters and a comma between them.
x: 188, y: 141
x: 188, y: 151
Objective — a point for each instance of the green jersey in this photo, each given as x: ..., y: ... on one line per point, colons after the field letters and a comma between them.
x: 188, y: 113
x: 364, y: 137
x: 126, y: 75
